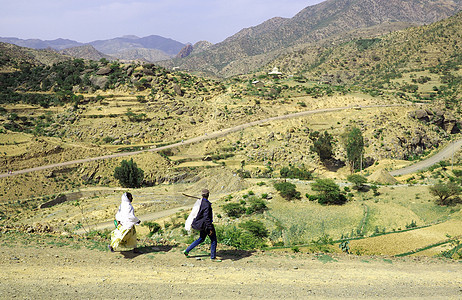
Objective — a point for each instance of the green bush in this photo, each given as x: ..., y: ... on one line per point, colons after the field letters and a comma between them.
x: 256, y: 205
x: 328, y: 192
x: 287, y: 190
x: 255, y: 227
x: 129, y: 175
x: 357, y: 180
x: 234, y: 210
x: 293, y: 172
x: 153, y: 227
x: 238, y: 238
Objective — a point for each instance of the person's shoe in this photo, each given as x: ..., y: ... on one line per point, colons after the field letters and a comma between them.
x: 215, y: 260
x: 110, y: 248
x: 186, y: 253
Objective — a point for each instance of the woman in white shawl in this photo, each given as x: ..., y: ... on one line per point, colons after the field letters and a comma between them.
x: 125, y: 233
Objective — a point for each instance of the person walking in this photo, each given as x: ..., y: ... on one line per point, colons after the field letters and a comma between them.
x: 125, y: 233
x: 203, y: 222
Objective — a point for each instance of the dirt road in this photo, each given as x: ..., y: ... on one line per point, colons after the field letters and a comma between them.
x: 47, y: 271
x: 204, y: 137
x: 443, y: 154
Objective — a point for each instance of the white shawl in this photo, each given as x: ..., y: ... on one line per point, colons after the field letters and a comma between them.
x: 126, y: 213
x: 192, y: 215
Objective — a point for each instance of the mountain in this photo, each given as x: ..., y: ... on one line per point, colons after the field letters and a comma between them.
x: 251, y: 47
x: 85, y: 52
x: 150, y: 48
x: 375, y: 62
x: 58, y: 44
x: 116, y: 45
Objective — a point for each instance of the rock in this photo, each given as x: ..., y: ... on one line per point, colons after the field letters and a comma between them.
x: 99, y: 81
x: 177, y: 90
x: 104, y: 71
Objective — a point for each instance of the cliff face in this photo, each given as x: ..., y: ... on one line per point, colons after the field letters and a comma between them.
x: 186, y: 51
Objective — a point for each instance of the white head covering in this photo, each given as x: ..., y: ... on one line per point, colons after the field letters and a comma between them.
x: 126, y: 213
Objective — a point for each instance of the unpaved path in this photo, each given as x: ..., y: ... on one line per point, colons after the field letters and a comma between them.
x: 212, y: 135
x: 47, y: 272
x: 443, y: 154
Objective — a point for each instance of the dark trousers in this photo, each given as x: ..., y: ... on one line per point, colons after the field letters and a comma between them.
x: 201, y: 239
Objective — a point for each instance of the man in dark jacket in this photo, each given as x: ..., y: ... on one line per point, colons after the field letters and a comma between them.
x: 204, y: 223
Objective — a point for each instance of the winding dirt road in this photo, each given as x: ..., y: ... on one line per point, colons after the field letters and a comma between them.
x: 212, y: 135
x: 445, y: 153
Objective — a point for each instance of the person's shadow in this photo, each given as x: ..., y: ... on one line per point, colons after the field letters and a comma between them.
x: 130, y: 254
x: 234, y: 255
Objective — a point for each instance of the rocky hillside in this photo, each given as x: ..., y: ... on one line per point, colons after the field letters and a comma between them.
x: 314, y: 23
x: 12, y: 56
x: 419, y: 63
x: 86, y: 52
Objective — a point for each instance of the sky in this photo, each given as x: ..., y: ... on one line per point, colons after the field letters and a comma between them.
x: 186, y: 21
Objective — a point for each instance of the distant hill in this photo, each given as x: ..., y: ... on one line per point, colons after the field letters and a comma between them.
x: 150, y: 48
x: 312, y: 24
x: 85, y: 52
x: 141, y: 54
x: 58, y: 44
x: 11, y: 56
x: 116, y: 45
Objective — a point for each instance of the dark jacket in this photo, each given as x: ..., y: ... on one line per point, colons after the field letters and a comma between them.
x: 204, y: 218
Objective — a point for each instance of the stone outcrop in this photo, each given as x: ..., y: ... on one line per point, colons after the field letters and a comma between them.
x: 442, y: 119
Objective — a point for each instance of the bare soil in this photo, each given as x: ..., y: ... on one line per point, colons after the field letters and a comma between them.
x: 162, y: 272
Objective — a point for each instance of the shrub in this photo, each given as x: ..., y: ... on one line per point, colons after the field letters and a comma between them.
x: 256, y: 205
x: 328, y: 192
x: 287, y: 190
x: 357, y: 180
x: 293, y: 172
x: 256, y: 228
x: 234, y: 210
x: 129, y: 175
x: 153, y: 227
x: 238, y: 238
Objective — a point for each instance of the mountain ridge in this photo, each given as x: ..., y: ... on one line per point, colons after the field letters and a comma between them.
x: 153, y: 46
x: 312, y: 24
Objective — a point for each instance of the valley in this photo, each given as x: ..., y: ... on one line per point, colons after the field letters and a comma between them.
x: 330, y: 143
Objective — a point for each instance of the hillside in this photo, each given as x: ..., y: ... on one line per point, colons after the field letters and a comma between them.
x: 420, y: 63
x: 87, y: 52
x: 76, y: 120
x: 313, y: 24
x: 13, y: 56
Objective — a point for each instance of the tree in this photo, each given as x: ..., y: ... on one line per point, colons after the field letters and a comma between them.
x: 328, y: 192
x: 357, y: 180
x: 354, y: 146
x: 446, y: 192
x: 287, y: 190
x: 128, y: 174
x: 323, y: 146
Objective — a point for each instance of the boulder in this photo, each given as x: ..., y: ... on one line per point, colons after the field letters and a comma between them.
x: 104, y: 71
